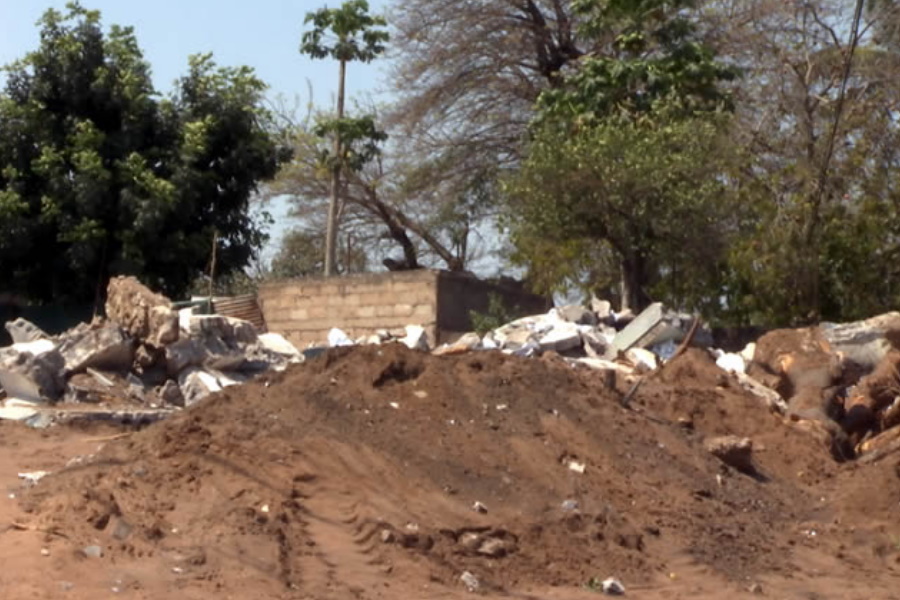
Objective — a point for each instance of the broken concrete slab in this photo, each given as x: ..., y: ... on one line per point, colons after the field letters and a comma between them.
x: 643, y: 360
x: 228, y: 329
x: 641, y: 331
x: 277, y: 343
x: 32, y: 371
x: 182, y: 354
x: 512, y: 338
x: 563, y: 337
x: 17, y: 413
x: 121, y: 416
x: 864, y: 342
x: 106, y: 347
x: 144, y: 315
x: 416, y: 338
x: 196, y: 384
x: 22, y: 330
x: 243, y: 332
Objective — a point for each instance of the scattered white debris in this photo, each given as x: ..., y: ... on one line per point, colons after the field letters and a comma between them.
x: 416, y: 338
x: 576, y: 466
x: 470, y: 581
x: 479, y: 507
x: 337, y: 337
x: 32, y: 477
x: 612, y: 587
x: 730, y: 362
x: 394, y: 405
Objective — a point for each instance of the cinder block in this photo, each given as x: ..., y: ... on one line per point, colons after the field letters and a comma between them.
x: 365, y: 312
x: 403, y: 310
x: 352, y: 300
x: 424, y: 310
x: 298, y: 314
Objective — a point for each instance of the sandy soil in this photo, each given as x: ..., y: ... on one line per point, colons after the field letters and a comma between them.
x: 355, y: 476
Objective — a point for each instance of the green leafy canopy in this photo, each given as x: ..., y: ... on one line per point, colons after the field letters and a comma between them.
x: 99, y: 175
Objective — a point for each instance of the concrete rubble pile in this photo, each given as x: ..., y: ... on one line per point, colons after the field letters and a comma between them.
x: 145, y: 351
x: 597, y: 337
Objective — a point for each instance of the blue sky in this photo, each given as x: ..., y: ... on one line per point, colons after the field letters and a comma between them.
x: 263, y: 34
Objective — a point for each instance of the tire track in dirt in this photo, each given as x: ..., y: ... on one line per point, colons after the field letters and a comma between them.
x: 340, y: 559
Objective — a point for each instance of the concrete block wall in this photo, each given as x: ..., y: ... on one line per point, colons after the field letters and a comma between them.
x: 304, y: 310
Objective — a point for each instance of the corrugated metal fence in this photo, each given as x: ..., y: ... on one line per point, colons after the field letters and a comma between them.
x: 240, y: 307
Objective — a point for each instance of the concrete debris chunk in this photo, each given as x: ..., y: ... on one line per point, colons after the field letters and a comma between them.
x: 182, y: 354
x: 467, y: 343
x: 337, y: 337
x: 22, y: 330
x: 243, y: 332
x: 470, y: 581
x: 17, y: 413
x: 32, y: 371
x: 416, y: 338
x: 144, y: 315
x: 561, y: 338
x: 277, y: 343
x: 612, y: 587
x: 643, y: 360
x: 641, y: 331
x: 196, y: 384
x: 867, y: 342
x: 602, y: 308
x: 731, y: 363
x: 106, y: 347
x: 171, y: 394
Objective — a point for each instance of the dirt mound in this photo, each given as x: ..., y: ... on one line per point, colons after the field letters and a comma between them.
x: 380, y: 472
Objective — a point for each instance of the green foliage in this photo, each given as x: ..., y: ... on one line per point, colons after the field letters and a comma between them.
x: 360, y: 139
x: 355, y: 35
x: 302, y: 251
x: 653, y: 52
x: 647, y: 195
x: 496, y: 316
x: 626, y: 162
x: 99, y: 176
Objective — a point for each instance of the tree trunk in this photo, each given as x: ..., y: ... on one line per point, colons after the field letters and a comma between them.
x: 332, y: 225
x: 635, y: 278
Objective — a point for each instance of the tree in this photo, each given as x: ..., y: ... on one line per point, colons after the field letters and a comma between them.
x: 820, y: 189
x: 626, y: 154
x: 301, y: 254
x: 98, y: 176
x: 382, y: 207
x: 357, y: 37
x: 639, y: 201
x: 466, y: 76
